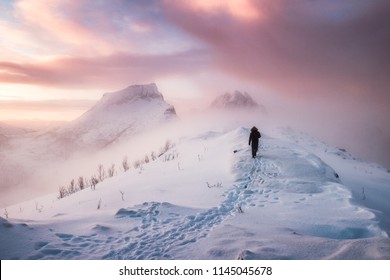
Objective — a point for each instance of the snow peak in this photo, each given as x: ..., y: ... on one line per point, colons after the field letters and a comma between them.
x: 138, y: 271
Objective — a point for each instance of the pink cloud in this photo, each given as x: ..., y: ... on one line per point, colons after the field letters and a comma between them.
x: 299, y: 47
x: 241, y: 9
x: 117, y: 69
x: 89, y: 27
x: 60, y: 23
x: 328, y: 60
x: 46, y: 105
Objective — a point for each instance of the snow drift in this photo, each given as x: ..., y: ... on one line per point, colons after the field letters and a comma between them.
x: 200, y: 196
x: 206, y: 198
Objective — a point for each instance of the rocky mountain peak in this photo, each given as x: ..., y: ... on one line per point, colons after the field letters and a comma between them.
x: 132, y: 94
x: 236, y: 99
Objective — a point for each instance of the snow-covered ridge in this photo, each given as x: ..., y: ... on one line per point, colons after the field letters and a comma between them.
x: 210, y: 201
x: 203, y: 198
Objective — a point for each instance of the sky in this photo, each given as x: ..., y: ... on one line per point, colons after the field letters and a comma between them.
x: 327, y: 58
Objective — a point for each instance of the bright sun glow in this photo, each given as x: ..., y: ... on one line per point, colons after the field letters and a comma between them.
x: 240, y: 9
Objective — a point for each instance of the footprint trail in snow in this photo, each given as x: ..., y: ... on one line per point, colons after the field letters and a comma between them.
x: 283, y: 179
x: 160, y: 230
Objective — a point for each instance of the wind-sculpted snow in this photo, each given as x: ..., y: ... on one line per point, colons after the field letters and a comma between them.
x: 285, y: 204
x: 118, y: 115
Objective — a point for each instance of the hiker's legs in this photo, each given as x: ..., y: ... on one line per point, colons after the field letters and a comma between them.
x: 254, y: 151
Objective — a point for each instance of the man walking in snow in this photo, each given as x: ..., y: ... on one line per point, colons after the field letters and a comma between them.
x: 254, y: 140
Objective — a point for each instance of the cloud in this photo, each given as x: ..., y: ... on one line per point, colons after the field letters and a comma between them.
x: 315, y: 54
x: 39, y: 113
x: 327, y: 59
x: 46, y: 105
x: 88, y: 43
x: 241, y: 9
x: 299, y: 47
x: 81, y: 26
x: 89, y: 27
x: 116, y: 69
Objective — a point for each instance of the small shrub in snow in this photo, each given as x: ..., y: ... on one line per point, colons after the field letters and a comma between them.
x: 170, y: 156
x: 93, y: 182
x: 72, y: 187
x: 125, y: 164
x: 168, y: 145
x: 81, y: 183
x: 101, y: 173
x: 137, y: 164
x: 111, y: 171
x: 63, y: 192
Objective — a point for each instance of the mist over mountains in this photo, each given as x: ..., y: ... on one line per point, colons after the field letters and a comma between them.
x: 9, y: 130
x: 205, y: 197
x: 32, y: 160
x: 235, y: 100
x: 128, y: 122
x: 118, y: 115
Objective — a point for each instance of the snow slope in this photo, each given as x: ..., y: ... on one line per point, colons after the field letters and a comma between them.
x: 206, y: 198
x: 31, y: 162
x: 118, y: 115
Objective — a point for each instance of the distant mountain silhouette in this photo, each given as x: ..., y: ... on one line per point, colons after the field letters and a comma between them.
x: 235, y: 100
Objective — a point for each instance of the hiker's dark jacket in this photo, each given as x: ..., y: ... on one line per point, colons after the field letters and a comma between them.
x: 254, y: 138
